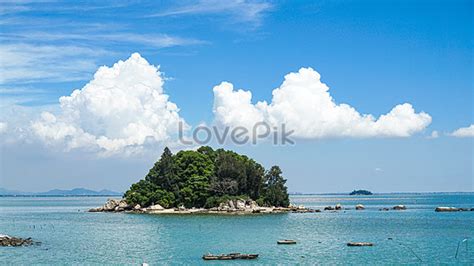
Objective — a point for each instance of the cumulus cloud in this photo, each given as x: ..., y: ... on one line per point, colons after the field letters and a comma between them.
x: 3, y: 127
x: 121, y: 110
x: 464, y: 132
x: 304, y: 104
x: 434, y: 135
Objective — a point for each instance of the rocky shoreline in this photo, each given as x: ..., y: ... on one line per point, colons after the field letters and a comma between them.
x: 240, y: 206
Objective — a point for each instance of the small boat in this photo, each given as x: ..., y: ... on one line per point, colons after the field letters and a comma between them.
x: 286, y: 242
x: 360, y: 244
x: 231, y: 256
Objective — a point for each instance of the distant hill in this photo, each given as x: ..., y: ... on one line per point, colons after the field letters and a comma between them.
x: 60, y: 192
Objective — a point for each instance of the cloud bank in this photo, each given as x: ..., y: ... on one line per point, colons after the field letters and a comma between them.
x: 304, y: 104
x: 464, y: 132
x: 121, y: 110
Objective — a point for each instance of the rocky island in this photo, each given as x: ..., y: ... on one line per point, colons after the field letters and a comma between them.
x: 206, y: 181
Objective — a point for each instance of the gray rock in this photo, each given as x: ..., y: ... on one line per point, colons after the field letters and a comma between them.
x: 360, y: 207
x: 399, y: 207
x: 9, y: 241
x: 447, y: 209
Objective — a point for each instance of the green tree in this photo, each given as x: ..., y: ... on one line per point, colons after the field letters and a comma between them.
x: 207, y: 177
x: 276, y: 192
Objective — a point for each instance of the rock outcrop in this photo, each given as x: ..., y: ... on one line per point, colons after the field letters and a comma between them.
x: 338, y: 207
x: 235, y: 206
x: 360, y: 244
x: 113, y: 205
x: 399, y: 207
x: 360, y: 207
x: 9, y: 241
x: 452, y: 209
x: 238, y: 205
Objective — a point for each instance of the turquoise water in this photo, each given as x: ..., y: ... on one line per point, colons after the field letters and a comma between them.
x: 69, y: 235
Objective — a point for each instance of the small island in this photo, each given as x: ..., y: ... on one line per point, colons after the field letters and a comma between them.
x: 360, y: 192
x: 206, y: 181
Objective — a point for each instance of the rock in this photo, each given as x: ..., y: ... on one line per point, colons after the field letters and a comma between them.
x: 384, y: 209
x: 231, y: 205
x: 446, y: 209
x: 360, y: 207
x: 253, y: 205
x: 98, y: 209
x: 338, y: 207
x: 123, y: 204
x: 399, y: 207
x: 240, y: 204
x: 156, y: 207
x: 8, y: 241
x: 111, y: 204
x: 360, y: 244
x: 329, y: 208
x: 180, y: 208
x: 137, y: 207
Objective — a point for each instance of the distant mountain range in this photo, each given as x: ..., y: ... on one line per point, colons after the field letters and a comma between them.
x: 60, y: 192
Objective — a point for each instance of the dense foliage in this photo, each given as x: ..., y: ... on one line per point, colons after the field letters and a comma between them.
x: 360, y: 192
x: 207, y: 177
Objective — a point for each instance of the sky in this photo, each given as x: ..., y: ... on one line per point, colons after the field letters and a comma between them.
x: 378, y: 94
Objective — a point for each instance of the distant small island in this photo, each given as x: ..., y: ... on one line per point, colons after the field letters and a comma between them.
x: 205, y: 180
x: 76, y: 192
x: 360, y: 192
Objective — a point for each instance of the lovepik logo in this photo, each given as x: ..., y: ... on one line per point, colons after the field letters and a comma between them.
x: 239, y: 135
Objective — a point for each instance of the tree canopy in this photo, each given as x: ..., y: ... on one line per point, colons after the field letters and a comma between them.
x: 207, y: 177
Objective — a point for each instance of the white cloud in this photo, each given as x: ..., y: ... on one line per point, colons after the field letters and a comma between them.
x: 464, y: 132
x: 121, y: 110
x: 23, y: 62
x: 240, y: 10
x: 3, y: 127
x: 434, y: 135
x: 305, y: 105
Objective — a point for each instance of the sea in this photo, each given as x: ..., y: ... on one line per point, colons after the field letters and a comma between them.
x: 70, y: 235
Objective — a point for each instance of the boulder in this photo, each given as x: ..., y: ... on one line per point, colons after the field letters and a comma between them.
x: 446, y: 209
x: 98, y: 209
x: 156, y: 207
x: 9, y: 241
x: 399, y: 207
x: 137, y: 207
x: 329, y: 208
x: 123, y: 204
x: 360, y: 207
x: 111, y: 204
x: 360, y: 244
x: 338, y: 207
x: 240, y: 204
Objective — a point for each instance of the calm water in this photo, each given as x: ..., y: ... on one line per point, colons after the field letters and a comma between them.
x: 69, y: 235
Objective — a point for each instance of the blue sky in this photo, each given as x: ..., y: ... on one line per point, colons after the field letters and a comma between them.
x: 373, y: 55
